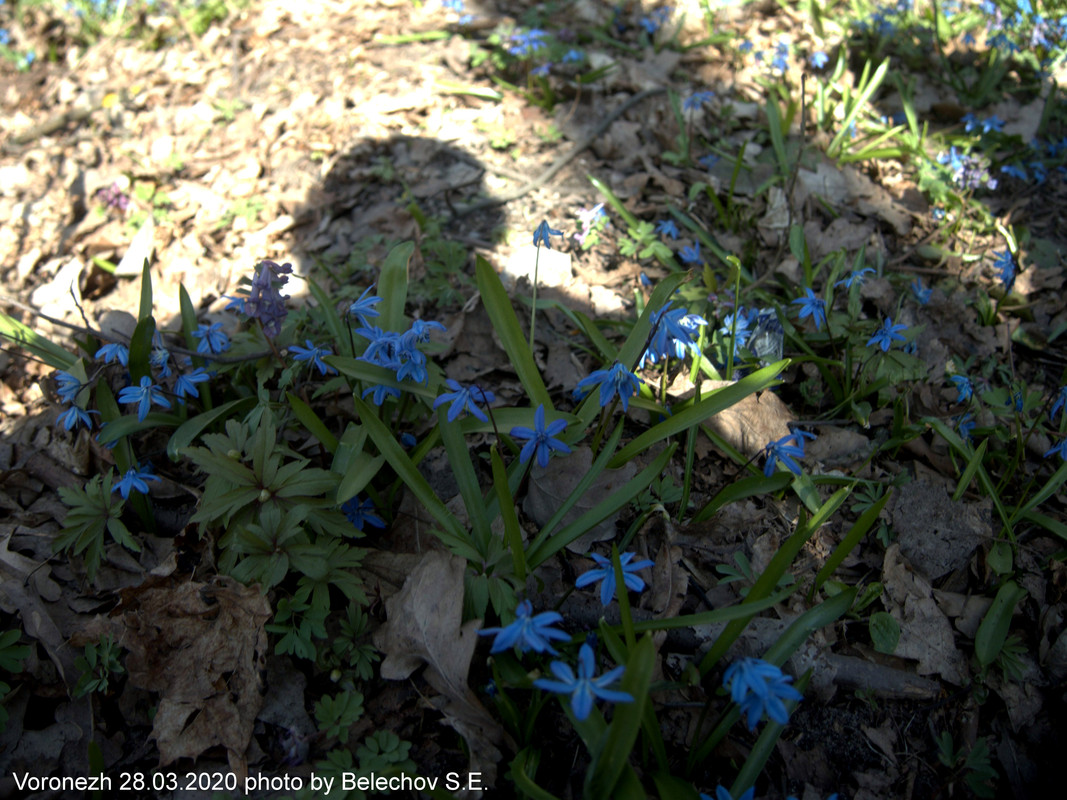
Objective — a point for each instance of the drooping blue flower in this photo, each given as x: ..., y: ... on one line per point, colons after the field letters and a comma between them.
x: 420, y: 329
x: 573, y: 56
x: 722, y: 793
x: 1004, y: 263
x: 361, y: 512
x: 759, y: 688
x: 364, y: 307
x: 380, y: 393
x: 529, y: 42
x: 887, y: 334
x: 1060, y: 448
x: 965, y: 424
x: 584, y: 689
x: 67, y: 386
x: 313, y: 354
x: 114, y: 351
x: 921, y: 293
x: 236, y: 303
x: 812, y: 306
x: 855, y: 277
x: 617, y: 380
x: 134, y: 480
x: 606, y: 573
x: 144, y: 395
x: 213, y: 340
x: 1061, y: 399
x: 819, y: 59
x: 464, y: 398
x: 543, y: 70
x: 75, y: 414
x: 697, y: 99
x: 963, y: 386
x: 667, y: 227
x: 691, y: 254
x: 160, y: 360
x: 783, y: 450
x: 185, y: 385
x: 540, y: 439
x: 528, y: 631
x: 542, y: 233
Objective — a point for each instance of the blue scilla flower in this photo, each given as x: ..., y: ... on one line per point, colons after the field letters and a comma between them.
x: 583, y: 688
x: 134, y: 481
x: 887, y: 334
x: 144, y: 395
x: 542, y: 70
x: 691, y: 254
x: 185, y: 385
x: 819, y: 59
x: 361, y: 512
x: 855, y: 277
x: 812, y: 306
x: 114, y: 351
x: 697, y: 100
x: 921, y: 293
x: 606, y: 573
x: 420, y: 329
x: 722, y: 793
x: 542, y: 234
x: 785, y: 450
x: 364, y: 307
x: 67, y: 386
x: 573, y: 56
x: 965, y: 424
x: 673, y: 330
x: 75, y: 415
x: 528, y: 42
x: 964, y: 387
x: 313, y: 354
x: 213, y: 340
x: 540, y: 439
x: 1061, y: 400
x: 464, y: 398
x: 667, y: 227
x: 1060, y: 448
x: 759, y: 688
x: 528, y: 631
x: 616, y: 380
x: 1004, y: 264
x: 380, y: 393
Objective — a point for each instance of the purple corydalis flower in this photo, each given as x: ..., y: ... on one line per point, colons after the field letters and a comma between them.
x: 265, y: 302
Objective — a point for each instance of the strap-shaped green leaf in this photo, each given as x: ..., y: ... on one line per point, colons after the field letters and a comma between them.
x: 993, y: 630
x: 311, y: 421
x: 52, y: 354
x: 752, y: 486
x: 393, y: 286
x: 506, y: 324
x: 194, y: 426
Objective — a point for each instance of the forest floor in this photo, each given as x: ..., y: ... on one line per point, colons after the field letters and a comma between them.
x: 321, y: 134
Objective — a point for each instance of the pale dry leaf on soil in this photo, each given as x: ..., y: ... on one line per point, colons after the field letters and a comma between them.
x: 425, y: 626
x: 748, y: 425
x: 926, y: 635
x: 550, y: 487
x: 203, y: 647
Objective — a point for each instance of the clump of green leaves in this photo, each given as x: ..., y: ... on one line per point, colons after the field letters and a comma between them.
x: 336, y: 715
x: 94, y: 512
x: 974, y: 766
x: 98, y: 666
x: 12, y: 655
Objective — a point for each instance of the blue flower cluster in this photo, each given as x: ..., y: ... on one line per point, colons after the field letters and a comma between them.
x: 674, y: 334
x: 759, y: 688
x: 390, y: 349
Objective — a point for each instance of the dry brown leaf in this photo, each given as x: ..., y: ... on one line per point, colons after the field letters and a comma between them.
x: 550, y: 487
x: 425, y: 626
x: 202, y: 646
x: 925, y: 632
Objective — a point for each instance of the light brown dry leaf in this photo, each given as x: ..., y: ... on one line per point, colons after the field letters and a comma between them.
x: 202, y: 646
x: 550, y: 487
x: 425, y: 627
x: 750, y: 424
x: 925, y: 632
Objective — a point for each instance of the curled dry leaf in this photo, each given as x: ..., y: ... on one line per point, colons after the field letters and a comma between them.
x: 219, y: 627
x: 425, y: 626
